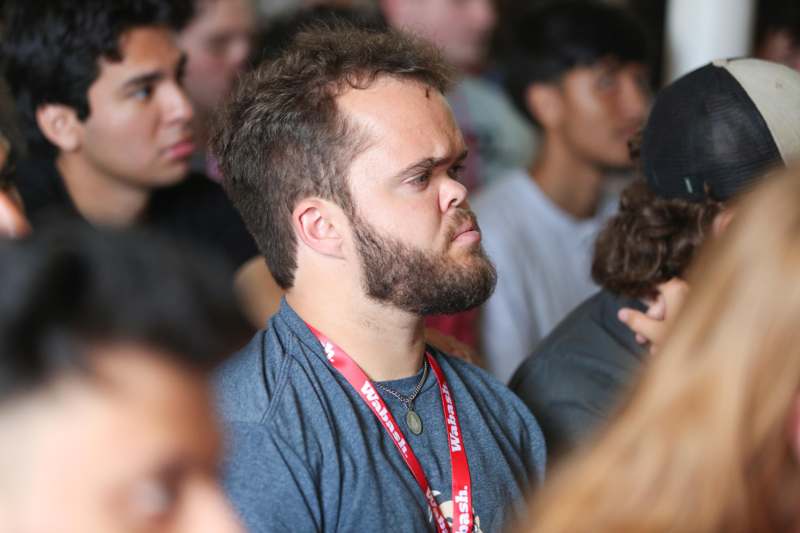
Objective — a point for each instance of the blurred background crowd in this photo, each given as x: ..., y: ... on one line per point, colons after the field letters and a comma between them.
x: 644, y: 309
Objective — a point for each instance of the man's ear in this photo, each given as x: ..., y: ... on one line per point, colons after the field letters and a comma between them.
x: 318, y: 224
x: 544, y: 102
x: 60, y: 125
x: 722, y: 220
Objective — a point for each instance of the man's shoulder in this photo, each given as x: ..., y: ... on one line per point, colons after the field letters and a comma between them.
x: 186, y: 198
x: 280, y: 360
x: 198, y: 209
x: 243, y: 384
x: 586, y: 344
x: 584, y: 326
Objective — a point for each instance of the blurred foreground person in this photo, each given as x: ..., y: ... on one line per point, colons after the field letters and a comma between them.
x: 709, y: 441
x: 711, y: 135
x: 106, y: 419
x: 579, y: 71
x: 341, y: 418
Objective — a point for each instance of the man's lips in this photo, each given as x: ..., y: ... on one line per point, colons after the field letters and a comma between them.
x: 181, y: 150
x: 467, y: 233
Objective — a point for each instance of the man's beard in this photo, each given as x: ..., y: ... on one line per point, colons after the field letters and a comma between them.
x: 419, y: 282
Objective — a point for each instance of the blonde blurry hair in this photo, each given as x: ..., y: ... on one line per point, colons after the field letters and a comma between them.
x: 704, y: 443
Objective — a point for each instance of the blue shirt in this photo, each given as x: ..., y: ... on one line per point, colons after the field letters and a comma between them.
x: 305, y: 453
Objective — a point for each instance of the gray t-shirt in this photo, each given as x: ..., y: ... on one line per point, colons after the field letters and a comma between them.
x: 306, y: 454
x: 543, y: 257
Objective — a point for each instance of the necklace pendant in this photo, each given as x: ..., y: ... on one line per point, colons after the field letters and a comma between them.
x: 414, y: 422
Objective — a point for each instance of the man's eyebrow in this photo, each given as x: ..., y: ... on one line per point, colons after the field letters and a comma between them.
x: 429, y: 163
x: 143, y: 79
x: 151, y: 77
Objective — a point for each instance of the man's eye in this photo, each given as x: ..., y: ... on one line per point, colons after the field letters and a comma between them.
x: 143, y: 93
x: 422, y: 179
x: 456, y: 171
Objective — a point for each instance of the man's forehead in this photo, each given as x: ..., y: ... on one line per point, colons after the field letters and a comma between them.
x: 402, y: 114
x: 144, y: 48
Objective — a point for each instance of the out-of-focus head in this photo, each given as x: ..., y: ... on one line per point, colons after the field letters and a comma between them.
x: 100, y: 82
x: 579, y: 71
x: 778, y: 32
x: 348, y: 135
x: 710, y: 438
x: 218, y: 41
x: 106, y: 416
x: 711, y: 135
x: 461, y: 28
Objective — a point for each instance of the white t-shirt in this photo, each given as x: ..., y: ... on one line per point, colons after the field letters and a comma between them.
x: 543, y: 257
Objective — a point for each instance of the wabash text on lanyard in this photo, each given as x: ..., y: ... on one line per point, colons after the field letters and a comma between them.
x: 462, y: 484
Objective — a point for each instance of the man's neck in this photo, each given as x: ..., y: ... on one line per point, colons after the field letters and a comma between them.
x: 101, y: 199
x: 574, y: 185
x: 385, y: 342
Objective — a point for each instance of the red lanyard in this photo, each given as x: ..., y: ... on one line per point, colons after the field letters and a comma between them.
x: 462, y: 484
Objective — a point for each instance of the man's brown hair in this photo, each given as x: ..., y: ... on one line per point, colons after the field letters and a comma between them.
x: 281, y: 138
x: 651, y: 240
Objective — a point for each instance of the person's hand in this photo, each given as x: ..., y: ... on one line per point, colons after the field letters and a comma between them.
x: 651, y: 326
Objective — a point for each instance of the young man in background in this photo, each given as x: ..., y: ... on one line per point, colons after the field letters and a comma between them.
x: 579, y: 71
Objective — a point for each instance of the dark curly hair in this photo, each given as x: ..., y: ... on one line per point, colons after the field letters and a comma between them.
x: 281, y: 138
x: 650, y: 240
x: 51, y: 50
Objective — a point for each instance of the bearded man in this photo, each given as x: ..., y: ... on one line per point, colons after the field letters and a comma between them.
x: 343, y: 158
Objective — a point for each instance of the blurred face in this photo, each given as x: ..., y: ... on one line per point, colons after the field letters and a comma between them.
x: 601, y: 107
x: 138, y: 129
x: 461, y: 28
x: 132, y: 449
x: 218, y: 42
x: 415, y: 237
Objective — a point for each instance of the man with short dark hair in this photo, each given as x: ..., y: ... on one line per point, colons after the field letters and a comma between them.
x: 578, y: 70
x: 341, y: 418
x: 106, y: 418
x: 98, y: 86
x: 711, y: 136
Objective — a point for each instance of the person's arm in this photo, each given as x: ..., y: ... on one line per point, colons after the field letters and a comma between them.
x: 651, y: 326
x: 257, y: 290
